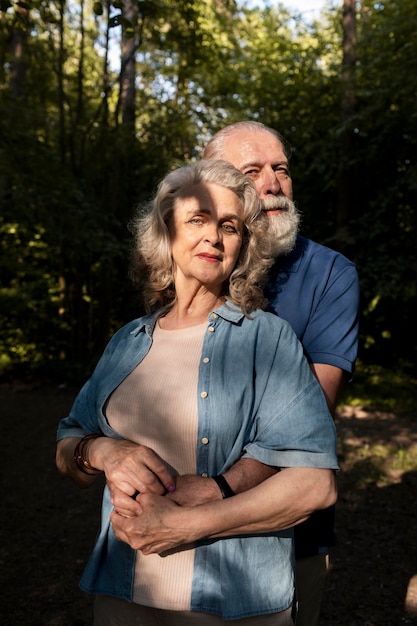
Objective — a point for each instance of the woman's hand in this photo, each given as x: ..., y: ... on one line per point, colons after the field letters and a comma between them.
x: 130, y: 467
x: 124, y: 505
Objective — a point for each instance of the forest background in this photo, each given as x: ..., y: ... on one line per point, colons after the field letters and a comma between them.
x: 99, y: 99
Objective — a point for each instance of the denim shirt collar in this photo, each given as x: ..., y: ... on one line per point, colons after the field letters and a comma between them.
x: 228, y: 311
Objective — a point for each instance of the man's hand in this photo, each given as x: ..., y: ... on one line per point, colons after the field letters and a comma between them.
x: 156, y: 529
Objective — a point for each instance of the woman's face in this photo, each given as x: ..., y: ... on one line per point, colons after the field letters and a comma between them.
x: 206, y: 233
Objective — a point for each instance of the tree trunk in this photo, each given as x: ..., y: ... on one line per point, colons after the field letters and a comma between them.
x: 128, y: 66
x: 60, y: 76
x: 348, y: 97
x: 17, y: 48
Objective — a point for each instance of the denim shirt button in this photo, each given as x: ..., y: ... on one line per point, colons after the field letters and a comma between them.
x: 204, y: 394
x: 204, y: 475
x: 213, y: 316
x: 206, y: 359
x: 204, y: 440
x: 211, y: 329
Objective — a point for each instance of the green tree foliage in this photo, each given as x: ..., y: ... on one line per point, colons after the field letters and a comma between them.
x: 82, y: 140
x: 385, y: 177
x: 60, y: 237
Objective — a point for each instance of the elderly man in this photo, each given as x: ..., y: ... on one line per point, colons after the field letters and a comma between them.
x: 315, y: 289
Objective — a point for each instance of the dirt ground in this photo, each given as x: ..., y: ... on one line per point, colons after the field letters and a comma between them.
x: 48, y: 525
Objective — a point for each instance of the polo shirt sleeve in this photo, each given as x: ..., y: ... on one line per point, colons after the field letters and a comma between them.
x: 316, y: 289
x: 331, y: 336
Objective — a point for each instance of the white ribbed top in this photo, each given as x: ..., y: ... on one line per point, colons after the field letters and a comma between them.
x: 156, y: 405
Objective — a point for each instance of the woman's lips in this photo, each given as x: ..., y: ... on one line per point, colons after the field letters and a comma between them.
x: 211, y: 258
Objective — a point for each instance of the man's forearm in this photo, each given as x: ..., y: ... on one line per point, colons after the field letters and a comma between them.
x: 192, y: 490
x: 280, y: 502
x: 247, y: 473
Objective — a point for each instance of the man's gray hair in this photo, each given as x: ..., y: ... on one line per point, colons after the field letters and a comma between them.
x: 215, y: 147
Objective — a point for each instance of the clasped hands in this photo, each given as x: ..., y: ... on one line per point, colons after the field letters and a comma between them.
x: 149, y: 522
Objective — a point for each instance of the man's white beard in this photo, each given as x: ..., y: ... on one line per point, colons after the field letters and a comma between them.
x: 283, y: 227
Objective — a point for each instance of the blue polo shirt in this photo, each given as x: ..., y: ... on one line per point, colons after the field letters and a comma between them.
x: 316, y: 290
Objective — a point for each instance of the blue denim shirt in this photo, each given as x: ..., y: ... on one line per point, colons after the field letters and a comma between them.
x: 256, y: 396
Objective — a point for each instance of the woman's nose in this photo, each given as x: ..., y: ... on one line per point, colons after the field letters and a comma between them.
x: 212, y: 235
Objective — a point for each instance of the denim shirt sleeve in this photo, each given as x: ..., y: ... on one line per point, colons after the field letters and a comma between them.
x: 293, y: 424
x: 123, y: 353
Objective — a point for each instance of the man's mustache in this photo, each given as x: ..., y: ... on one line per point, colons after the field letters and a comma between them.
x: 278, y: 203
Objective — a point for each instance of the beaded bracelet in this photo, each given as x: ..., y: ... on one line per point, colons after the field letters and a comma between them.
x: 81, y: 455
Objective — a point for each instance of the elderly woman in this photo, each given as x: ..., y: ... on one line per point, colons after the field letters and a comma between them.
x: 186, y: 391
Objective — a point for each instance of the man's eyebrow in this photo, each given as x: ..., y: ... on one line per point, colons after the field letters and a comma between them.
x: 249, y: 164
x: 259, y: 164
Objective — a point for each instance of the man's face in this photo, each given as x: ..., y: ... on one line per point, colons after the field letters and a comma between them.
x: 260, y: 156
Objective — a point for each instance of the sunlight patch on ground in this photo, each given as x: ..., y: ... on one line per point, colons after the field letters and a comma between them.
x: 411, y: 598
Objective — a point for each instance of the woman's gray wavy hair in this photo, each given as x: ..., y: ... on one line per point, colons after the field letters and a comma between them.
x: 152, y: 264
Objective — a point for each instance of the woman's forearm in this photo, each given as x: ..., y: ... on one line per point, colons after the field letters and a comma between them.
x: 68, y: 467
x: 128, y: 466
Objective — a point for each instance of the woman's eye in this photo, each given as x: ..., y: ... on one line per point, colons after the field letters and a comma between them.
x: 229, y: 228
